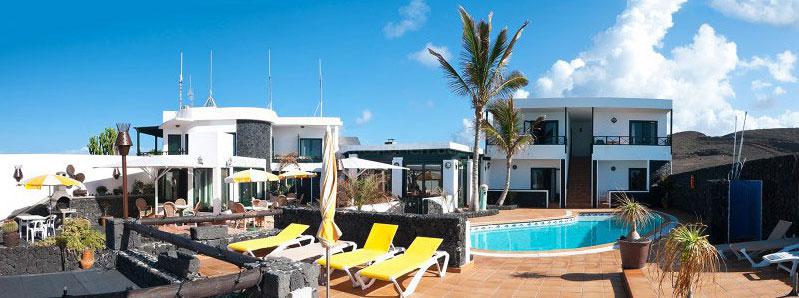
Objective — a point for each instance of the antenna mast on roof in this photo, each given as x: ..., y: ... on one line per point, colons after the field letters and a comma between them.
x: 190, y: 93
x: 321, y: 100
x: 180, y: 83
x: 210, y: 102
x: 269, y: 78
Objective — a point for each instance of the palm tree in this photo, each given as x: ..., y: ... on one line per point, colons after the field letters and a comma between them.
x: 506, y: 133
x: 687, y: 258
x: 481, y: 77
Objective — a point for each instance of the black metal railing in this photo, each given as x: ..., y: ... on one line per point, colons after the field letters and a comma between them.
x: 628, y: 140
x: 161, y: 152
x: 548, y: 140
x: 300, y: 159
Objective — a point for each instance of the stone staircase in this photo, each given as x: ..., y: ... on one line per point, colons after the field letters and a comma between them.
x: 579, y: 192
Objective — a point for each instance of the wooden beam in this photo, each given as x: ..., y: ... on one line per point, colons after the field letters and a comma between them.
x: 207, y: 218
x: 235, y: 258
x: 214, y: 286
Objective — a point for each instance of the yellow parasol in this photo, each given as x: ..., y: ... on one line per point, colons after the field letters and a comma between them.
x: 251, y: 175
x: 51, y: 180
x: 328, y: 232
x: 297, y: 175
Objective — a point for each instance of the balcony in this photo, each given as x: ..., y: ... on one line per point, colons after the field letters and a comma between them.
x: 553, y: 147
x: 161, y: 152
x: 300, y: 159
x: 627, y: 140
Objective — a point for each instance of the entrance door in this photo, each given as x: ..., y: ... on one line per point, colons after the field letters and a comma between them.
x: 545, y: 179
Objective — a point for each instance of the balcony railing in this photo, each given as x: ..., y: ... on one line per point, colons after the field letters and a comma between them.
x: 161, y: 152
x: 550, y: 140
x: 627, y: 140
x: 278, y: 158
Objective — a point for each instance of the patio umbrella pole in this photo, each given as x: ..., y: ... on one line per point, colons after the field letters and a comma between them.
x: 327, y: 273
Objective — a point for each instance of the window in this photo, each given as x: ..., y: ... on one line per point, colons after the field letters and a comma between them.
x: 311, y: 148
x: 424, y: 180
x: 545, y: 134
x: 643, y: 132
x: 173, y: 144
x: 235, y: 147
x: 203, y: 186
x: 186, y: 147
x: 637, y: 179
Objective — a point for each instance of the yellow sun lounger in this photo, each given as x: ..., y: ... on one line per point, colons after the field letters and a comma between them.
x: 419, y: 257
x: 290, y: 236
x: 378, y: 247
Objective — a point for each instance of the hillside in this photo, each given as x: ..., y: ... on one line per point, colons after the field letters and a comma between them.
x: 694, y: 150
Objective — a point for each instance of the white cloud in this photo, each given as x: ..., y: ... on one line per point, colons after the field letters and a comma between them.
x: 425, y: 58
x: 521, y: 93
x: 81, y: 150
x: 626, y: 60
x: 772, y: 12
x: 366, y: 116
x: 465, y: 135
x: 413, y: 16
x: 758, y: 84
x: 778, y: 91
x: 781, y: 68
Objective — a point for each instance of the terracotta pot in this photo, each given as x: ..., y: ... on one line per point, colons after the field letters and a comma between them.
x: 87, y: 261
x: 11, y: 239
x: 634, y: 253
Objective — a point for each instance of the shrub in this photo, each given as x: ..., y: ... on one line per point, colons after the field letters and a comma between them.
x: 361, y: 191
x: 76, y: 235
x: 10, y: 226
x: 102, y: 190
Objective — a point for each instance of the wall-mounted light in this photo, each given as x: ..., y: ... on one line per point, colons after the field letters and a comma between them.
x: 488, y: 165
x: 229, y: 162
x: 200, y: 160
x: 514, y: 167
x: 613, y: 169
x: 18, y: 172
x: 448, y: 164
x: 614, y: 120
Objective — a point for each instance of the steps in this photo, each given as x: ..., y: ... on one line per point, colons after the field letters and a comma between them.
x: 579, y: 192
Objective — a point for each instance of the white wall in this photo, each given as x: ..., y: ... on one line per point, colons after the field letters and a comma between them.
x: 618, y: 179
x: 549, y: 114
x: 604, y: 127
x: 631, y: 152
x: 520, y: 177
x: 15, y: 197
x: 286, y: 137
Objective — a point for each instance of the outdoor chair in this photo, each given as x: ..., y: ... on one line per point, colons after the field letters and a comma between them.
x: 170, y: 210
x: 144, y: 209
x: 789, y: 254
x: 775, y: 240
x: 180, y: 201
x: 313, y: 251
x: 36, y: 227
x: 49, y: 224
x: 378, y: 247
x: 237, y: 207
x: 291, y: 236
x: 420, y: 256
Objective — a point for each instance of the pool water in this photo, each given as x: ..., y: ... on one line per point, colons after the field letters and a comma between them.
x: 585, y: 231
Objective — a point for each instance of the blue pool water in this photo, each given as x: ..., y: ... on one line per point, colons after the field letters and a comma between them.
x: 585, y: 231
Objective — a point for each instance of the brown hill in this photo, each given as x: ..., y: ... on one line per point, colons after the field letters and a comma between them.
x: 694, y: 150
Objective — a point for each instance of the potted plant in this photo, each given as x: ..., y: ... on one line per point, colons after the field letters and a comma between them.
x: 78, y: 237
x: 634, y: 249
x: 10, y: 233
x: 686, y: 256
x: 102, y: 190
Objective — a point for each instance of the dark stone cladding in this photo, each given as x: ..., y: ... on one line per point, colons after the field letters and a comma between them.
x: 707, y: 200
x: 253, y: 138
x: 47, y: 259
x: 356, y: 225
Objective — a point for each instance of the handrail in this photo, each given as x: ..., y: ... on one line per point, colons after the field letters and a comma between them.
x: 551, y: 140
x: 628, y: 140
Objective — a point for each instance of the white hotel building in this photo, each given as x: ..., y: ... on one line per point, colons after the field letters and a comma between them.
x: 586, y: 149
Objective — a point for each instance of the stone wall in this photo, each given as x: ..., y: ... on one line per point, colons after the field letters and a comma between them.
x: 253, y: 139
x: 46, y: 259
x: 356, y: 225
x: 780, y: 192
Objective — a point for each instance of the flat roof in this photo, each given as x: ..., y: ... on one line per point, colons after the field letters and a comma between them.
x: 594, y: 102
x: 243, y: 113
x: 410, y: 146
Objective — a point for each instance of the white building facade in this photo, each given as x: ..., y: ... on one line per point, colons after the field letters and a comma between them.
x: 586, y: 150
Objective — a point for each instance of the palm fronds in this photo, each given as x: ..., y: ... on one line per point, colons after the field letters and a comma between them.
x: 687, y: 259
x: 633, y: 214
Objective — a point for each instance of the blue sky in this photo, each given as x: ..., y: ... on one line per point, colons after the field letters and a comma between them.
x: 69, y: 69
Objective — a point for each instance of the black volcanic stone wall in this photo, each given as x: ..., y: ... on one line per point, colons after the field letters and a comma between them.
x: 356, y: 225
x: 708, y: 199
x: 46, y: 259
x: 253, y: 138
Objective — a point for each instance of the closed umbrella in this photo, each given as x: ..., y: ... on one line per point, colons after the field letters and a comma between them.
x: 328, y: 232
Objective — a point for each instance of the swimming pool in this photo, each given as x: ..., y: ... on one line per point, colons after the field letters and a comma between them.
x: 577, y: 232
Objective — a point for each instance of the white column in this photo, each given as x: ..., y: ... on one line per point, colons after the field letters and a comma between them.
x: 216, y: 189
x: 469, y: 183
x: 396, y: 178
x: 190, y: 187
x: 450, y: 181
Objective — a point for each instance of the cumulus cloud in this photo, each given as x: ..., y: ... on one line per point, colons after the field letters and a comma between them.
x: 412, y: 17
x: 365, y: 117
x: 521, y: 93
x: 425, y: 58
x: 758, y: 85
x: 772, y: 12
x: 781, y: 68
x: 626, y: 60
x: 81, y: 150
x: 465, y: 135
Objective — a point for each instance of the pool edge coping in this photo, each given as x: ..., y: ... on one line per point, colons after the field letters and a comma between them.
x: 664, y: 228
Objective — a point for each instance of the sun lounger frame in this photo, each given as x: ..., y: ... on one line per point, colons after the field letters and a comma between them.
x: 417, y: 277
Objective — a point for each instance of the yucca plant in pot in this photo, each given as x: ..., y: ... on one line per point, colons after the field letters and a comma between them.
x: 10, y: 233
x: 687, y: 259
x: 634, y: 249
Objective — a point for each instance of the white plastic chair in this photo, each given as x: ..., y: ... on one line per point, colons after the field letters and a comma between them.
x: 34, y: 227
x: 49, y: 224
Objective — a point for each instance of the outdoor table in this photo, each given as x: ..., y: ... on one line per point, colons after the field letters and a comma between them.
x: 65, y: 212
x: 26, y: 219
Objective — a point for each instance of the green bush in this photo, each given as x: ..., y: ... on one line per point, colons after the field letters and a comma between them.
x: 76, y: 235
x: 10, y: 226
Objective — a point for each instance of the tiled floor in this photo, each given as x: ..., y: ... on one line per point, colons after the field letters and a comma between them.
x: 738, y: 280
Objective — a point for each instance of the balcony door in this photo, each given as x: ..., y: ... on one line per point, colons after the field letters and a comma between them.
x: 545, y: 134
x: 643, y: 132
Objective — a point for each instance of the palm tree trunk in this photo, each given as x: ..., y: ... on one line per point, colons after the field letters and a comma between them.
x: 504, y: 194
x: 478, y: 117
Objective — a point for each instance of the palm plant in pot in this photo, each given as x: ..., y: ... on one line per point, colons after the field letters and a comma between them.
x: 687, y: 259
x: 10, y: 233
x: 78, y: 237
x: 634, y: 249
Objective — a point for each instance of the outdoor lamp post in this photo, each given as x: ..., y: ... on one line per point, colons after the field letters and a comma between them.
x: 123, y: 147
